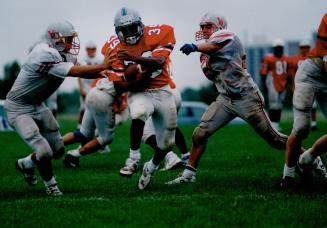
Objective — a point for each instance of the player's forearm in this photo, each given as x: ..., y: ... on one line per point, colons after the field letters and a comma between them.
x: 208, y: 48
x: 87, y: 71
x: 150, y: 62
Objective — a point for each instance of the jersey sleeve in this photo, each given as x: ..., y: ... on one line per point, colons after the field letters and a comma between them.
x: 166, y: 40
x: 116, y: 71
x: 51, y: 63
x: 321, y: 42
x: 221, y: 36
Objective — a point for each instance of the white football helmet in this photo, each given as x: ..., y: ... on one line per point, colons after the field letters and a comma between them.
x: 128, y: 25
x: 63, y: 37
x: 304, y: 43
x: 90, y: 44
x: 278, y: 43
x: 217, y: 21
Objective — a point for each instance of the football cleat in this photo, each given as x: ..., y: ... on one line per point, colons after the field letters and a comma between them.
x: 145, y: 178
x: 53, y: 190
x: 131, y: 167
x: 71, y: 161
x: 319, y: 168
x: 28, y: 174
x: 182, y: 179
x: 172, y: 161
x: 104, y: 150
x: 287, y: 183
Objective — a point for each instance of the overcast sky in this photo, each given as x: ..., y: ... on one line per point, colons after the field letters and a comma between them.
x: 255, y: 21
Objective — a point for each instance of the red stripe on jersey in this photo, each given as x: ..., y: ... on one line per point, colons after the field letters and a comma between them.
x: 223, y: 35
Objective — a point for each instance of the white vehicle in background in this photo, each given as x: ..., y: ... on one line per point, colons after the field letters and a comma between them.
x: 192, y: 111
x: 4, y: 125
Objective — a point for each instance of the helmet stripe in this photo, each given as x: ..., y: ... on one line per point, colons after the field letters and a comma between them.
x: 123, y: 11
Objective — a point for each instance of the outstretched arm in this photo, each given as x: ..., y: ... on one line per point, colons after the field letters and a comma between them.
x: 92, y: 71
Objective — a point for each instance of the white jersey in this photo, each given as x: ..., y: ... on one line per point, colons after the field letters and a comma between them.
x: 87, y: 83
x: 228, y: 65
x: 42, y: 73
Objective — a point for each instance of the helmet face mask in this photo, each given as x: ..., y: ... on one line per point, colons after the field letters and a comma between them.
x: 63, y: 37
x: 209, y: 24
x: 131, y: 33
x: 128, y: 25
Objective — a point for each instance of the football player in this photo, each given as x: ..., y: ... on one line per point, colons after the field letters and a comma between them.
x: 293, y: 64
x: 85, y: 84
x: 98, y: 115
x: 43, y: 72
x: 274, y: 75
x: 310, y: 84
x: 150, y: 47
x: 223, y: 62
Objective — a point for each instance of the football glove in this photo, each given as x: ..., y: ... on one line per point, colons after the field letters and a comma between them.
x: 188, y: 48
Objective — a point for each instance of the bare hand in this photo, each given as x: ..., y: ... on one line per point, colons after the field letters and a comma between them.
x: 109, y: 58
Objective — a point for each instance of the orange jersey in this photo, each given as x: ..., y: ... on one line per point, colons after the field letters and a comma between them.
x: 121, y: 103
x: 157, y: 40
x: 278, y: 68
x: 320, y: 49
x: 293, y: 64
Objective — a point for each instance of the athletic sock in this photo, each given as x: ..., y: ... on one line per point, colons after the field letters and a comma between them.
x: 306, y: 157
x: 169, y: 154
x: 151, y: 166
x: 135, y: 154
x: 289, y: 171
x: 152, y: 141
x: 28, y: 162
x: 75, y: 153
x: 52, y: 181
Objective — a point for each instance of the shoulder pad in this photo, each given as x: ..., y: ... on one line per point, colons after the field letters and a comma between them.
x: 111, y: 43
x: 45, y: 53
x: 221, y: 36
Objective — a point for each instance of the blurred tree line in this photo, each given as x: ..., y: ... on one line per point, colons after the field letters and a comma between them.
x: 67, y: 102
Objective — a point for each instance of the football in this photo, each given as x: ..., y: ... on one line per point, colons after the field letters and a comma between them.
x: 132, y: 71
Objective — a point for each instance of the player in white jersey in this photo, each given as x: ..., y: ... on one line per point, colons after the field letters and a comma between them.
x: 98, y: 115
x: 43, y: 72
x: 85, y: 84
x: 223, y: 62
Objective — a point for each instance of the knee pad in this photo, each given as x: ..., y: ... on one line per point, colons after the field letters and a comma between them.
x: 301, y: 125
x: 42, y: 149
x: 59, y: 153
x: 200, y: 135
x: 301, y: 131
x: 106, y: 138
x: 139, y: 114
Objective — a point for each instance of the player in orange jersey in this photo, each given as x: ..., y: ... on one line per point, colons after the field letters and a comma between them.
x: 293, y: 64
x: 310, y: 84
x: 150, y: 47
x: 274, y: 73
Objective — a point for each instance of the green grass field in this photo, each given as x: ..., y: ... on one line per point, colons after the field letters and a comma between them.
x: 235, y: 187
